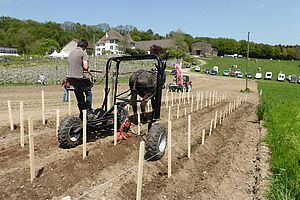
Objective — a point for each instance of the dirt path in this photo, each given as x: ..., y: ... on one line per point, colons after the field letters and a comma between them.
x: 224, y: 168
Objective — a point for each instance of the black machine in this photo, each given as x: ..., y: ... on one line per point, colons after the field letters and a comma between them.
x: 70, y: 129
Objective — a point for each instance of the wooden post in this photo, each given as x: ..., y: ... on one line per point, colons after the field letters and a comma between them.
x: 139, y: 122
x: 188, y: 97
x: 43, y: 107
x: 201, y: 100
x: 211, y: 125
x: 31, y: 149
x: 21, y: 124
x: 216, y: 94
x: 206, y: 94
x: 169, y: 114
x: 203, y: 136
x: 178, y: 111
x: 69, y: 103
x: 192, y: 103
x: 184, y: 97
x: 215, y: 121
x: 140, y: 171
x: 206, y: 103
x: 246, y: 98
x: 10, y: 115
x: 84, y: 135
x: 175, y: 97
x: 189, y: 135
x: 169, y: 149
x: 57, y: 121
x: 184, y: 110
x: 115, y: 124
x: 213, y: 98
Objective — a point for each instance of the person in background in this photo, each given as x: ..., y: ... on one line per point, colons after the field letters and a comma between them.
x: 78, y: 64
x: 65, y: 85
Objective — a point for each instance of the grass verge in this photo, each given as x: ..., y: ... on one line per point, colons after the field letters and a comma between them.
x: 280, y: 110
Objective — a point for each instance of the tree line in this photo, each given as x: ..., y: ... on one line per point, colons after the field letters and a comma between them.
x: 31, y: 37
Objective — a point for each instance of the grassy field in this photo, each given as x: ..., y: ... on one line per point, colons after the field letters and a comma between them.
x: 275, y: 66
x: 280, y: 109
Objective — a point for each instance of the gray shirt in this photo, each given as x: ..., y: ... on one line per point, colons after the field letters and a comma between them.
x: 76, y: 58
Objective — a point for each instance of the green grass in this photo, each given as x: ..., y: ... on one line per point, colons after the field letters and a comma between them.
x: 287, y: 67
x: 280, y: 109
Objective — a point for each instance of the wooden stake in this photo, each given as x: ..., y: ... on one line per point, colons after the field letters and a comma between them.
x: 57, y: 121
x: 189, y: 135
x: 21, y: 124
x: 203, y: 136
x: 215, y: 121
x: 206, y: 103
x: 188, y: 97
x: 210, y: 127
x: 169, y: 114
x: 115, y: 124
x: 184, y: 110
x: 192, y: 103
x: 84, y: 135
x: 221, y: 116
x: 31, y: 149
x: 169, y: 149
x: 10, y: 115
x: 43, y: 107
x: 139, y: 122
x: 140, y: 171
x: 209, y: 102
x: 172, y: 100
x: 213, y: 98
x: 178, y: 111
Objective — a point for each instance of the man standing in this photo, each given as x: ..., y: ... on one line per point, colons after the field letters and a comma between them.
x: 78, y: 64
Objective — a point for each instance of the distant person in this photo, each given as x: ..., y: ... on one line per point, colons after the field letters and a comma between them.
x: 65, y: 85
x: 78, y: 64
x: 42, y: 80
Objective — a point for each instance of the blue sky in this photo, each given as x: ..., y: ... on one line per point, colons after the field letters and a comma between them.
x: 269, y: 21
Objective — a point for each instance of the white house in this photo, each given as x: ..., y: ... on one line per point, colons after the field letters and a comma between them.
x: 111, y: 42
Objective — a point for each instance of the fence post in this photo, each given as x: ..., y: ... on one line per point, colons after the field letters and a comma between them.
x: 215, y: 121
x: 189, y: 136
x: 115, y: 124
x: 178, y: 111
x: 31, y: 149
x: 211, y: 125
x: 21, y: 124
x: 140, y: 171
x: 169, y: 149
x: 139, y: 122
x: 203, y: 136
x: 10, y: 115
x: 84, y: 135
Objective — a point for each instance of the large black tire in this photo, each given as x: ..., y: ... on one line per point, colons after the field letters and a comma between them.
x: 66, y: 136
x: 156, y: 142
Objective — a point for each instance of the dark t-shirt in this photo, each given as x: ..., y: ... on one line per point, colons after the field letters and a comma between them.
x: 76, y: 58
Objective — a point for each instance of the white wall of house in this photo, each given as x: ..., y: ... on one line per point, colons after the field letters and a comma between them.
x: 110, y: 45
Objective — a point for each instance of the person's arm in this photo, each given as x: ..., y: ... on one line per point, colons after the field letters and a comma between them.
x: 85, y: 65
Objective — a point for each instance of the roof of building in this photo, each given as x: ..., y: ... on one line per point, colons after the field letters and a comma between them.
x: 110, y: 35
x: 128, y: 38
x: 145, y: 45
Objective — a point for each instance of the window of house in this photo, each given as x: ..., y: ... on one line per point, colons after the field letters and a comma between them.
x: 111, y: 47
x: 111, y: 41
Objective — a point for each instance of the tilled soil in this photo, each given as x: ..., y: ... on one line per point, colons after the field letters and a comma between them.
x: 225, y: 167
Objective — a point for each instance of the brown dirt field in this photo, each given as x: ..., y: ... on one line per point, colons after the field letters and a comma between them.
x: 226, y: 167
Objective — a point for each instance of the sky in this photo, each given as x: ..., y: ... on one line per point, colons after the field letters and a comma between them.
x: 268, y: 21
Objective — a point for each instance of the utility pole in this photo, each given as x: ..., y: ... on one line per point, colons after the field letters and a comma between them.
x: 247, y: 62
x: 94, y: 41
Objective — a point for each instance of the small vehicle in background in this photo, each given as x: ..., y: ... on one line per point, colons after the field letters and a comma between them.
x: 197, y: 69
x: 289, y: 77
x: 213, y: 72
x: 188, y: 66
x: 232, y: 74
x: 240, y: 75
x: 268, y: 76
x: 298, y: 80
x: 281, y: 77
x: 206, y: 70
x: 249, y: 75
x: 226, y: 72
x: 258, y: 75
x: 194, y: 63
x: 216, y: 68
x: 293, y: 78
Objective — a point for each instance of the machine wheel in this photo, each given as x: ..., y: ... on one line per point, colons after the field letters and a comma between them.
x: 67, y: 137
x: 156, y: 142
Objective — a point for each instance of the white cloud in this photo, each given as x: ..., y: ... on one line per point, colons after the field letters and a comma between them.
x: 263, y: 3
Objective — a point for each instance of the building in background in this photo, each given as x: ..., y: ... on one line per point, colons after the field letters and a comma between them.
x: 8, y: 51
x: 146, y: 45
x: 203, y: 48
x: 113, y: 42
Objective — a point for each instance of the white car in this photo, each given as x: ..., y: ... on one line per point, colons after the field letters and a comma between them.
x: 258, y: 75
x: 268, y: 76
x: 240, y: 75
x: 197, y: 69
x: 281, y: 77
x: 226, y: 72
